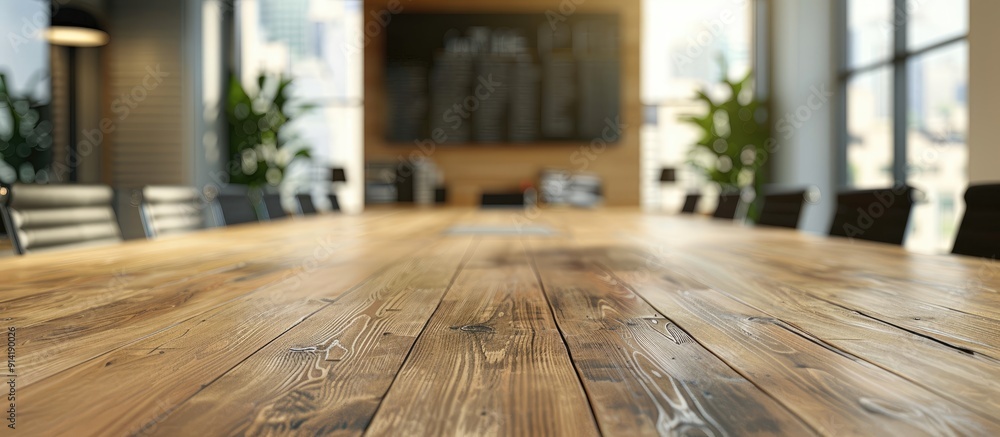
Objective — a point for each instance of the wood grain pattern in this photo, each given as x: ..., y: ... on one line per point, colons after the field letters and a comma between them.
x: 622, y: 324
x: 644, y: 374
x: 327, y: 375
x: 849, y: 395
x: 164, y: 369
x: 856, y: 327
x: 490, y: 362
x: 99, y: 329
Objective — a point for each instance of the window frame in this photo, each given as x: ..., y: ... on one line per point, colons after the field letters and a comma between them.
x: 898, y: 63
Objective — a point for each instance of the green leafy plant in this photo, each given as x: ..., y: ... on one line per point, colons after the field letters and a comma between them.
x: 732, y: 149
x: 261, y: 147
x: 25, y: 136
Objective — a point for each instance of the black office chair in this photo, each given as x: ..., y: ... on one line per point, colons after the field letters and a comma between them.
x: 874, y: 215
x: 979, y: 234
x: 729, y: 204
x: 306, y: 206
x: 171, y: 210
x: 41, y: 218
x: 782, y: 210
x: 334, y: 205
x: 691, y: 203
x: 272, y: 204
x: 502, y: 200
x: 235, y: 209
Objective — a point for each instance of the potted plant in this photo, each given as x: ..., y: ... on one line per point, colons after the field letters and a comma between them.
x: 261, y: 147
x: 25, y: 137
x: 732, y: 151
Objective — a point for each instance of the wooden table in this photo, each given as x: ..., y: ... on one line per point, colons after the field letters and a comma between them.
x: 5, y: 247
x: 622, y: 324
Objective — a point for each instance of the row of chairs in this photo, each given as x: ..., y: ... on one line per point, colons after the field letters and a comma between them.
x: 236, y: 209
x: 41, y: 218
x: 880, y: 215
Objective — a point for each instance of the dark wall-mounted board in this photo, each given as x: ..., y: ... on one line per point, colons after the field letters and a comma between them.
x: 502, y: 78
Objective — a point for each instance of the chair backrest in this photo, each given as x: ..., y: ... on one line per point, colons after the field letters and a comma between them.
x: 874, y: 215
x: 272, y: 204
x: 236, y: 209
x: 334, y: 204
x: 979, y: 234
x: 729, y: 204
x: 782, y: 209
x: 306, y: 205
x: 171, y: 210
x: 502, y: 200
x: 691, y: 203
x: 50, y: 217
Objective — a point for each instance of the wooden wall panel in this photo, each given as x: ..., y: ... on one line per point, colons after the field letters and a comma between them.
x: 468, y: 170
x: 148, y: 109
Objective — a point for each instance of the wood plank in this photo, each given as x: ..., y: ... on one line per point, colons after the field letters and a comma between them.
x: 834, y: 392
x: 328, y: 374
x: 58, y: 344
x: 103, y: 269
x: 825, y: 328
x: 961, y: 330
x: 964, y: 284
x: 34, y: 308
x: 490, y: 362
x: 869, y: 282
x: 644, y: 374
x: 494, y: 251
x: 120, y: 392
x: 857, y: 327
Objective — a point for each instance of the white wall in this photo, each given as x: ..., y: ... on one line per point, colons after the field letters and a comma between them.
x: 804, y: 74
x: 984, y: 95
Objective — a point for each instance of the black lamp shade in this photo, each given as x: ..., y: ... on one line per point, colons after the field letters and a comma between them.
x: 668, y: 175
x: 75, y: 28
x: 337, y: 175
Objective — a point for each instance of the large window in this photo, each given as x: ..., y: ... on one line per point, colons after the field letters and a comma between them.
x: 686, y: 45
x: 320, y: 44
x: 24, y: 63
x: 906, y: 119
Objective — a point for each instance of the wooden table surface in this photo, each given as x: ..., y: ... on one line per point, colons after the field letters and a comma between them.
x: 621, y: 324
x: 5, y: 247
